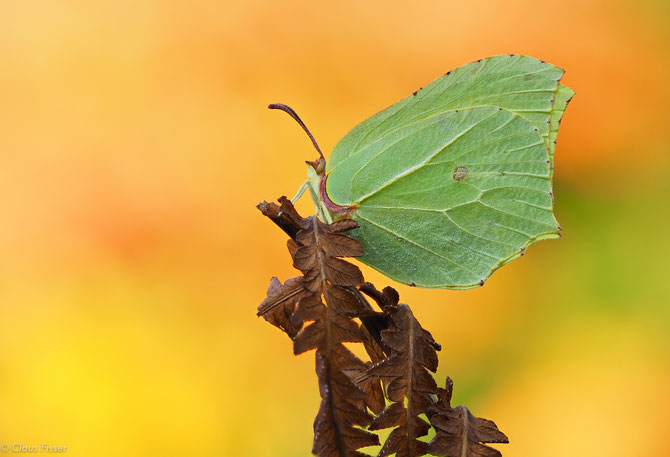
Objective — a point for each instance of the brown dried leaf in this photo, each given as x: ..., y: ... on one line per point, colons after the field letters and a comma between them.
x: 342, y: 410
x: 280, y: 303
x: 318, y: 310
x: 374, y: 394
x: 405, y: 372
x: 328, y: 329
x: 324, y: 314
x: 319, y: 248
x: 285, y: 216
x: 343, y: 225
x: 459, y: 433
x: 387, y: 297
x: 337, y: 431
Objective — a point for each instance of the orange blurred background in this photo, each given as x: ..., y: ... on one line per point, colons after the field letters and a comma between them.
x: 135, y: 143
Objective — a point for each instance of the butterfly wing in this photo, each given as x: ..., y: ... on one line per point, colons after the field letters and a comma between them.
x: 563, y: 96
x: 454, y: 181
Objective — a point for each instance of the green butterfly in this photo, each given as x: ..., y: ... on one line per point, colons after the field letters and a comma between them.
x: 453, y: 181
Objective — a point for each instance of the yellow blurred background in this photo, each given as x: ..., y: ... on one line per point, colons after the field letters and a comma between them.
x: 135, y: 143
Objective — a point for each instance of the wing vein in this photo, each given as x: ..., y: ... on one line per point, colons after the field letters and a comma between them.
x: 420, y: 165
x: 386, y: 229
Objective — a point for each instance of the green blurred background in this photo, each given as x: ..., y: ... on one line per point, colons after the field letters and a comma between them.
x: 135, y: 143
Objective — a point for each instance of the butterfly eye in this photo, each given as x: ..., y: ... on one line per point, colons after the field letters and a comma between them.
x: 320, y: 166
x: 460, y: 173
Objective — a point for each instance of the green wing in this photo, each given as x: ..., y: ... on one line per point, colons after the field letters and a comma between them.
x: 454, y: 181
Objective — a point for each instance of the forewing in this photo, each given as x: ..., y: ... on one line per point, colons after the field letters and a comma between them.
x: 454, y: 181
x: 523, y: 85
x: 480, y: 194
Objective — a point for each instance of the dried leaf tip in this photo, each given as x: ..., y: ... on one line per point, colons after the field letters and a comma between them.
x: 458, y: 432
x: 280, y: 303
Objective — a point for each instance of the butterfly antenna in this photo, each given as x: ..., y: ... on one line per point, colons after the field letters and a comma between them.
x: 294, y: 115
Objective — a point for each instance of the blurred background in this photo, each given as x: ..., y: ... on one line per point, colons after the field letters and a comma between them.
x: 135, y: 143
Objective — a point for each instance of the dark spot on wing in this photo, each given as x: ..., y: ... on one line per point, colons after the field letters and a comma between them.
x: 460, y: 173
x: 528, y: 77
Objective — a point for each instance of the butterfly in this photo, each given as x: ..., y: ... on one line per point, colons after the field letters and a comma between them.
x: 454, y: 181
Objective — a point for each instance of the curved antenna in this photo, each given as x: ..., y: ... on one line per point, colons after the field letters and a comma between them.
x: 294, y: 115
